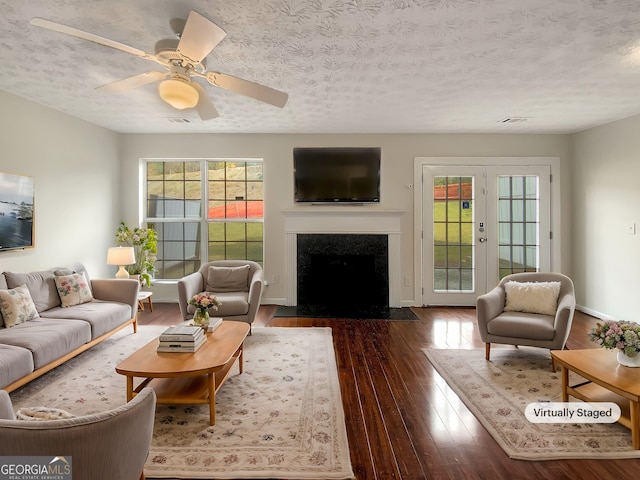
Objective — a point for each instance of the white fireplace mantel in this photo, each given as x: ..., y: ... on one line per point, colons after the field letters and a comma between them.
x: 343, y: 219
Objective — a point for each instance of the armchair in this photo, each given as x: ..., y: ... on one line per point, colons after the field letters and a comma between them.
x: 103, y: 446
x: 547, y: 330
x: 236, y: 283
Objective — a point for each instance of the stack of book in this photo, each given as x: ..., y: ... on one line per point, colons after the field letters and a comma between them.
x: 215, y: 323
x: 181, y: 338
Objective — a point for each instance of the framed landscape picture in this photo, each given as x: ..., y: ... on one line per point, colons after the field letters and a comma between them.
x: 16, y: 212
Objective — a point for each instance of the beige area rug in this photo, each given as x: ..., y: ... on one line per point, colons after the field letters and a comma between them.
x: 281, y: 418
x: 498, y: 391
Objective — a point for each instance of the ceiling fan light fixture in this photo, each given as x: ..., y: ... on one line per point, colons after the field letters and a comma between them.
x: 178, y: 93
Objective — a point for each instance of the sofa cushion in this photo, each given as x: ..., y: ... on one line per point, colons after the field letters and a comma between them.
x: 41, y: 285
x: 228, y: 279
x: 522, y: 325
x: 102, y: 316
x: 62, y: 271
x: 73, y: 289
x: 15, y: 363
x: 236, y: 303
x: 16, y: 306
x: 532, y: 297
x: 47, y: 339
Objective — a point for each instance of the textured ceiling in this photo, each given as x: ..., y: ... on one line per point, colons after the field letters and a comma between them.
x: 359, y: 66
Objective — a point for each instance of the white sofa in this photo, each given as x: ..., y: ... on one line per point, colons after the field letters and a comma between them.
x: 32, y: 348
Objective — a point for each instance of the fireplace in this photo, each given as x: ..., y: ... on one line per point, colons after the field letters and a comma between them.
x: 343, y: 271
x: 343, y: 222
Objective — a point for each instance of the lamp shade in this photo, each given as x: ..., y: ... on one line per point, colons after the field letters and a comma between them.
x: 178, y: 93
x: 121, y: 256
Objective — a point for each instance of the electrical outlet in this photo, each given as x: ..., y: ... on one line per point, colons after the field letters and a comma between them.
x: 631, y: 228
x: 407, y: 281
x: 275, y: 279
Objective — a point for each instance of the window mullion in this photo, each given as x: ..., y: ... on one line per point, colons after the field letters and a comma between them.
x: 204, y: 214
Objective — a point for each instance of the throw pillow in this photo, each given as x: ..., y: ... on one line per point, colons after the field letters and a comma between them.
x: 42, y: 413
x: 41, y: 287
x: 17, y: 306
x: 73, y: 289
x: 532, y: 297
x: 228, y: 279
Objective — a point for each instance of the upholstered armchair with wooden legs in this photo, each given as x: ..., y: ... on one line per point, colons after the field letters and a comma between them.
x: 537, y: 310
x: 236, y: 283
x: 104, y: 446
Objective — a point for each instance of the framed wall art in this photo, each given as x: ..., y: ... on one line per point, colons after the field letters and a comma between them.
x: 16, y: 212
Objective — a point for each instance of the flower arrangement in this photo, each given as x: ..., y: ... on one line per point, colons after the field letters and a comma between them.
x: 145, y: 245
x: 623, y: 335
x: 204, y: 301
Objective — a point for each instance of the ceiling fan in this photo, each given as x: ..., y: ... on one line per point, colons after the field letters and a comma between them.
x: 182, y: 58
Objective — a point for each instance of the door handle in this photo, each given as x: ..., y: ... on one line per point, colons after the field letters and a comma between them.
x: 482, y: 240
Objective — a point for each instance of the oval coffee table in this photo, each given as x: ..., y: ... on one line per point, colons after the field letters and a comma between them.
x: 187, y: 378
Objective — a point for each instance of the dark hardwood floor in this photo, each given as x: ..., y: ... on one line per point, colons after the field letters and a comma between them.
x: 403, y: 421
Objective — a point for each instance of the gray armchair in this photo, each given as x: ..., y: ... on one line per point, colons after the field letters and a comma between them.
x: 236, y: 283
x: 105, y: 446
x: 496, y: 325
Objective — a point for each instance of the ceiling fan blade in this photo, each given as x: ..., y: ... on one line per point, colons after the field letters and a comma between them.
x: 74, y: 32
x: 199, y: 37
x: 204, y: 107
x: 130, y: 83
x: 250, y: 89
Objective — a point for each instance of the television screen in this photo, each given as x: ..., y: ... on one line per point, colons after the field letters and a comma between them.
x: 16, y: 212
x: 337, y: 175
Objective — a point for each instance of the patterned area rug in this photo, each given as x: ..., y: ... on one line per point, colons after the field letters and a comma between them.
x: 498, y: 391
x: 281, y: 418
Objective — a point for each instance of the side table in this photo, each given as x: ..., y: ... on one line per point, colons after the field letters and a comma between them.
x: 145, y: 295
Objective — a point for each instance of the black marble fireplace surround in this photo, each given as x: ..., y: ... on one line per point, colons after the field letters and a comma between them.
x: 343, y: 274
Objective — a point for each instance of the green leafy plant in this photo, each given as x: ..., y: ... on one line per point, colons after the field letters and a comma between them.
x: 145, y: 245
x: 622, y: 335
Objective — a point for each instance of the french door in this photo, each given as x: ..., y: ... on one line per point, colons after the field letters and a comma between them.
x: 479, y: 224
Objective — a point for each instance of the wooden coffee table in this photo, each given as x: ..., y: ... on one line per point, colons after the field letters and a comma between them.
x: 187, y: 378
x: 607, y: 382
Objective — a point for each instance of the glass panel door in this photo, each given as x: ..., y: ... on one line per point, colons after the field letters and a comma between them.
x: 480, y: 224
x: 522, y: 215
x: 454, y: 198
x: 518, y: 238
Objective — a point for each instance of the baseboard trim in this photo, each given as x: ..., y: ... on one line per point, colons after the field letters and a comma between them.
x: 594, y: 313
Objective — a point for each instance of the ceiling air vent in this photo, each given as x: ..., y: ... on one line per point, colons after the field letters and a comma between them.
x: 514, y: 120
x: 179, y: 120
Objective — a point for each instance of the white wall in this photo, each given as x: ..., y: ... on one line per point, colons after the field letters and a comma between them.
x: 605, y: 199
x: 74, y: 165
x: 87, y: 179
x: 398, y: 152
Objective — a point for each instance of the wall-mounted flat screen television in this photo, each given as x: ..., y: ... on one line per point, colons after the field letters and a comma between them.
x: 16, y: 212
x: 337, y: 175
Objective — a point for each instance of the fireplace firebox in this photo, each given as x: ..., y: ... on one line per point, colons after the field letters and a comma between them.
x: 343, y: 271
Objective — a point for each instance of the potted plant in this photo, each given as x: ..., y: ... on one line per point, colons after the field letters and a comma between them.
x: 621, y: 335
x: 203, y: 302
x: 145, y: 245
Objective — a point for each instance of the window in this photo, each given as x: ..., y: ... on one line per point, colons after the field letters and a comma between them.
x: 231, y: 225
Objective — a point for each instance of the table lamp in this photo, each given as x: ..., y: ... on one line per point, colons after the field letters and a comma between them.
x: 121, y: 256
